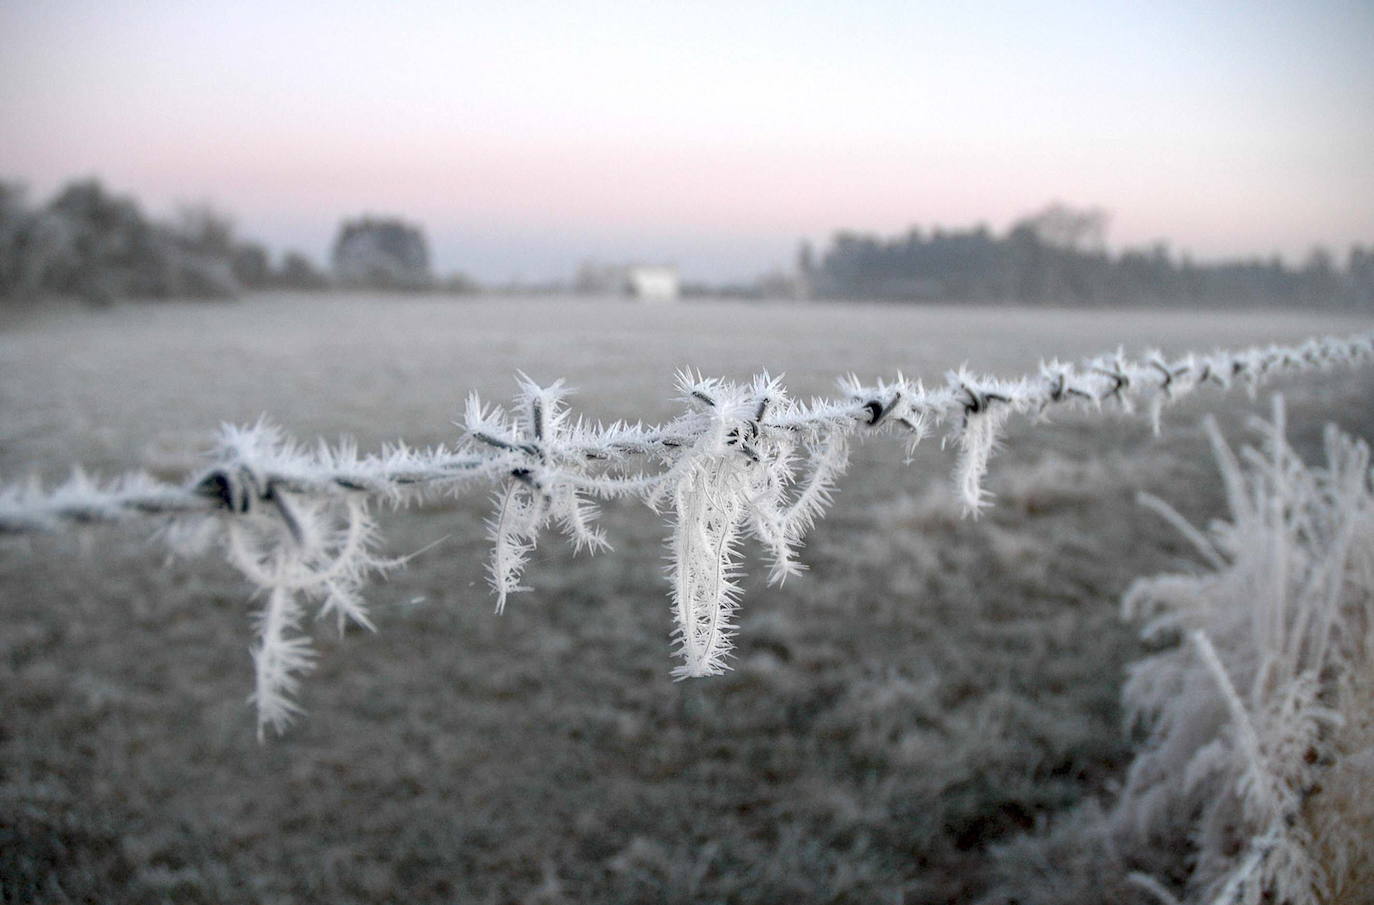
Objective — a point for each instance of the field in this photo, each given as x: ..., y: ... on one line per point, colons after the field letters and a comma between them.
x: 933, y: 689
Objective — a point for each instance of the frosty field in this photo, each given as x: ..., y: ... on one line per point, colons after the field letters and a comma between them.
x: 930, y: 691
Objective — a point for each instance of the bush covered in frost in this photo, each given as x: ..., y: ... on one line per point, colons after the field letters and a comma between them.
x: 1255, y: 712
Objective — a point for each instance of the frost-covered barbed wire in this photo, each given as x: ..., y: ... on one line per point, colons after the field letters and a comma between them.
x: 742, y: 459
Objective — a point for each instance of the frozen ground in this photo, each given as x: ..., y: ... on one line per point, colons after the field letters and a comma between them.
x: 932, y: 688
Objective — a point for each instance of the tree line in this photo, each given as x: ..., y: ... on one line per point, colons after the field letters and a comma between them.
x: 93, y: 244
x: 1058, y: 256
x: 96, y: 245
x: 89, y: 243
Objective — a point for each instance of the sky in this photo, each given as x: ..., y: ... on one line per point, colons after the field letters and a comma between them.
x: 525, y: 137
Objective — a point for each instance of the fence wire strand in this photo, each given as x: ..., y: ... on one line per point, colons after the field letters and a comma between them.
x: 742, y: 459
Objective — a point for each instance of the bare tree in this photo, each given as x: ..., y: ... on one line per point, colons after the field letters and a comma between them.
x: 1069, y: 228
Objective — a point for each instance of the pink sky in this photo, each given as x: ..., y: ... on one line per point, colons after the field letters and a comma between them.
x: 716, y: 135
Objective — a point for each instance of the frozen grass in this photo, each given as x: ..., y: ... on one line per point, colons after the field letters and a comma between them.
x: 1270, y: 694
x: 932, y: 686
x: 1256, y: 707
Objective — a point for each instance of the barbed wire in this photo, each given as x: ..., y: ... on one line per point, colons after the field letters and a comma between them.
x: 244, y: 478
x: 741, y: 459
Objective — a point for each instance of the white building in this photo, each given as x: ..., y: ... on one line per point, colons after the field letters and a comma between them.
x: 653, y: 283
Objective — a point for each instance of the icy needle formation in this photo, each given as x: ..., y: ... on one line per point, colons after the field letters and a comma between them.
x: 742, y: 459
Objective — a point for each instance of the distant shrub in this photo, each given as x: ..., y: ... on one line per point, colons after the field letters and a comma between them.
x: 252, y: 266
x: 458, y: 284
x: 298, y: 273
x: 113, y: 251
x: 98, y: 246
x: 32, y: 243
x: 381, y: 253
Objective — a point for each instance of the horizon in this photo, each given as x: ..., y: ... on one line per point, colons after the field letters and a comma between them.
x: 528, y: 139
